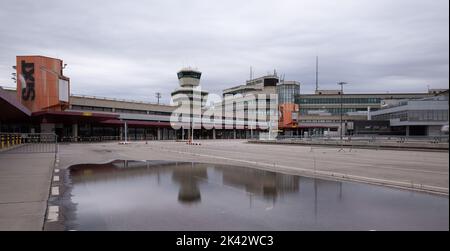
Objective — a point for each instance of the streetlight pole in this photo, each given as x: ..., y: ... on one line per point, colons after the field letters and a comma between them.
x: 158, y: 96
x: 126, y: 132
x: 191, y: 106
x: 341, y: 129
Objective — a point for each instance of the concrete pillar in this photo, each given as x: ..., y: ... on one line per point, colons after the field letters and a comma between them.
x: 126, y: 131
x: 75, y: 132
x: 214, y: 133
x: 182, y: 133
x: 407, y: 131
x: 234, y: 134
x: 159, y: 133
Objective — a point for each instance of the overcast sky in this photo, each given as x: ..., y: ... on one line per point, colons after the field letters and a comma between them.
x: 132, y: 50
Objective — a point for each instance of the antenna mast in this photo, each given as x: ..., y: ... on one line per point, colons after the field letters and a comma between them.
x: 317, y: 73
x: 158, y: 96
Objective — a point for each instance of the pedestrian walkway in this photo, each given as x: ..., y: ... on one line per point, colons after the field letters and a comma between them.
x: 24, y: 186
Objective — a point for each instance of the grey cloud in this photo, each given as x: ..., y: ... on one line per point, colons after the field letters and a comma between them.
x: 132, y: 50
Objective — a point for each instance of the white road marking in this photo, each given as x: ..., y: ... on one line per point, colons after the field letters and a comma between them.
x: 53, y: 213
x: 55, y: 191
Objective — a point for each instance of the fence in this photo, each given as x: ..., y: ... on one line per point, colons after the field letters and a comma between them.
x: 371, y: 138
x: 440, y: 143
x: 88, y: 139
x: 28, y: 143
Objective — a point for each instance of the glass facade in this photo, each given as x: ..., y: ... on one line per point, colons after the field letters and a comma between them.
x: 287, y: 93
x: 333, y: 111
x: 415, y: 115
x: 336, y: 100
x: 189, y: 74
x: 92, y: 108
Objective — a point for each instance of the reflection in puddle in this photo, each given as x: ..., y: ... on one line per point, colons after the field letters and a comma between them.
x: 187, y: 177
x: 160, y: 195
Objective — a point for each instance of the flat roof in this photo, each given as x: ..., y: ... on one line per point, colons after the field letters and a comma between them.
x: 38, y: 56
x: 118, y: 100
x: 365, y: 93
x: 92, y: 97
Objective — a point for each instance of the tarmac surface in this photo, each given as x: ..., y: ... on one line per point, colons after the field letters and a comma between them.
x: 25, y: 179
x: 419, y: 170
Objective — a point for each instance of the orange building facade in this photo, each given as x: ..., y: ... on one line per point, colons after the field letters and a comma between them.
x: 288, y: 116
x: 41, y: 85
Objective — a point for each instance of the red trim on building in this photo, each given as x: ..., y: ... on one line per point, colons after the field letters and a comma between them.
x: 135, y: 123
x: 70, y: 117
x: 73, y: 113
x: 307, y: 127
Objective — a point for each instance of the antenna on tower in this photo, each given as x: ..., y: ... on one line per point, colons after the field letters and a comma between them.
x: 317, y: 73
x: 158, y: 96
x: 251, y: 73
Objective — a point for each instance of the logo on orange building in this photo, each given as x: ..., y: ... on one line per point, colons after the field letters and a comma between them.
x: 41, y: 84
x: 27, y: 81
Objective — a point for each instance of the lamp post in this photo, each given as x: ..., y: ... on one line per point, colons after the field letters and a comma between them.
x: 341, y: 129
x: 158, y: 96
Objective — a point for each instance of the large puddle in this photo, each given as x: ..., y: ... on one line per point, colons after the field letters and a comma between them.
x: 152, y: 195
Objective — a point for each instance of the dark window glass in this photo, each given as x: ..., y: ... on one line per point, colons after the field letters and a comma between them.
x: 189, y: 74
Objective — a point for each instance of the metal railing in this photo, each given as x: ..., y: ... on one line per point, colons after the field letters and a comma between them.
x: 93, y: 139
x: 371, y: 141
x: 371, y: 138
x: 28, y: 143
x: 88, y: 139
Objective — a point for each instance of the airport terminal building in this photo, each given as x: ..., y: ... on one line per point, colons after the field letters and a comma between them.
x: 42, y: 103
x: 320, y: 113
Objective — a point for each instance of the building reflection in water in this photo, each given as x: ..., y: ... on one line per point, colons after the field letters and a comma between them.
x: 187, y: 175
x: 154, y: 194
x: 256, y: 183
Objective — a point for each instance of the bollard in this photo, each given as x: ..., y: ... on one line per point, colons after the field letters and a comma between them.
x: 7, y: 140
x: 3, y: 141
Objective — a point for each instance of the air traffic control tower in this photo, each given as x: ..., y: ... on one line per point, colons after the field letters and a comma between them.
x: 190, y: 89
x: 190, y: 99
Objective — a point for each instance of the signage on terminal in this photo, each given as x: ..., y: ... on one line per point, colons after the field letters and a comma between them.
x: 27, y: 79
